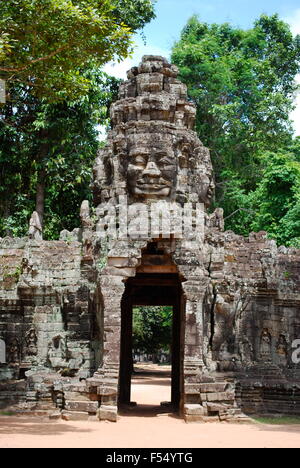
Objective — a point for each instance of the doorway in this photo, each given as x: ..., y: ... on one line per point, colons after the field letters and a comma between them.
x: 156, y: 291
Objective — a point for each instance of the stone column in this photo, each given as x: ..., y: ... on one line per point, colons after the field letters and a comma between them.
x: 193, y: 365
x: 106, y: 379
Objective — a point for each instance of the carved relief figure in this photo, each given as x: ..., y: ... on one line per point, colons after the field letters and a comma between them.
x: 2, y: 352
x: 14, y: 352
x: 31, y: 343
x: 246, y: 351
x: 265, y: 345
x: 151, y: 171
x: 281, y: 350
x: 57, y: 352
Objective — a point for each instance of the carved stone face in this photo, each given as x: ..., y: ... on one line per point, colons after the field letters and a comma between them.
x: 151, y: 171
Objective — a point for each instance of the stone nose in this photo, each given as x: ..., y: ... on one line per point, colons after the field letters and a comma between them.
x: 151, y: 170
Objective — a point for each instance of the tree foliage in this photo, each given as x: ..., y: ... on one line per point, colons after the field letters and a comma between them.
x: 47, y: 44
x: 274, y: 206
x: 50, y: 54
x: 60, y: 142
x: 152, y: 328
x: 243, y: 84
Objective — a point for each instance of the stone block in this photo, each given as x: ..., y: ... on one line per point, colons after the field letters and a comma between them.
x: 55, y: 415
x: 191, y: 389
x: 82, y: 406
x: 213, y: 387
x: 220, y: 396
x: 108, y: 413
x: 76, y: 396
x: 194, y: 410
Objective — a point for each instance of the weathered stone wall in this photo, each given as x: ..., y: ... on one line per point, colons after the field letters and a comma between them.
x: 256, y: 295
x: 49, y: 320
x: 252, y: 320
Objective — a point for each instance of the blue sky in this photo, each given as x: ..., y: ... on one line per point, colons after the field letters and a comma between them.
x: 172, y: 15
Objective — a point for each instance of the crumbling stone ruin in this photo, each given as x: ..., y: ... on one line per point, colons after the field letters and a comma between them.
x: 66, y: 305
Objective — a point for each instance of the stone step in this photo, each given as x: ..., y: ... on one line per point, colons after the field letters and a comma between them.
x: 217, y: 396
x: 82, y: 406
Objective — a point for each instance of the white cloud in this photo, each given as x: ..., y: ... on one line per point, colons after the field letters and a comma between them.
x: 294, y: 21
x: 295, y: 115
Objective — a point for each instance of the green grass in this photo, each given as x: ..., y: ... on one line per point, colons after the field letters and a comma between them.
x: 277, y: 420
x: 6, y: 413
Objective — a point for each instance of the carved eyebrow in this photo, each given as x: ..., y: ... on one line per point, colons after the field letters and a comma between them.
x: 165, y: 156
x: 159, y: 149
x: 137, y: 152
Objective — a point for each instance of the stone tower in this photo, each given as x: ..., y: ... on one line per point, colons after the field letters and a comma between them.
x: 153, y: 158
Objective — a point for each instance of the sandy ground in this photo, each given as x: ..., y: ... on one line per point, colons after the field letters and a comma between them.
x: 148, y: 425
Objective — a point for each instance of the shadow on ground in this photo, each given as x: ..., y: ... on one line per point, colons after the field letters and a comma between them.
x: 35, y: 426
x: 147, y: 411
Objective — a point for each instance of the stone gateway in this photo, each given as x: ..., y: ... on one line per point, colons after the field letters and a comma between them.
x: 66, y: 305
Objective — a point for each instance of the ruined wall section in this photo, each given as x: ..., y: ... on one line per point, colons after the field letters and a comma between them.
x: 46, y: 310
x: 252, y: 302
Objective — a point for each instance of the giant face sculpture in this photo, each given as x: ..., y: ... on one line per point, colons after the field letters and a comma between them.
x: 151, y: 170
x: 152, y: 152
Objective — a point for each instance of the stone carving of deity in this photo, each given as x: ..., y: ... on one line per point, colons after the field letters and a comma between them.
x: 281, y: 350
x: 265, y: 345
x: 57, y: 352
x: 152, y: 153
x: 14, y: 352
x: 151, y: 171
x: 31, y: 343
x: 2, y: 352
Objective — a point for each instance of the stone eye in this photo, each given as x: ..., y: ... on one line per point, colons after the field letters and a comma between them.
x: 165, y: 161
x: 140, y: 160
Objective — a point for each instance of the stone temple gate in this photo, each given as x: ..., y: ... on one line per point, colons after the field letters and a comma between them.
x: 149, y: 239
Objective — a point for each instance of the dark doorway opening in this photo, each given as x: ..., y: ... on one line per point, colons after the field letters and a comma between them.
x: 152, y: 290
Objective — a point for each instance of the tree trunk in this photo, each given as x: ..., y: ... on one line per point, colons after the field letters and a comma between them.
x: 42, y: 175
x: 6, y: 214
x: 40, y: 195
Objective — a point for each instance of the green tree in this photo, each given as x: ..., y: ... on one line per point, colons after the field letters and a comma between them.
x: 277, y: 198
x: 50, y: 53
x: 152, y: 328
x: 242, y: 82
x: 274, y: 205
x: 46, y: 155
x: 47, y: 44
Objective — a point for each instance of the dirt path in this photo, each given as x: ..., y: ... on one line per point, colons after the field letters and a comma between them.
x: 146, y: 426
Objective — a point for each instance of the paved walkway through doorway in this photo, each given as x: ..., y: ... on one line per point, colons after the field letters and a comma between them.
x: 150, y: 386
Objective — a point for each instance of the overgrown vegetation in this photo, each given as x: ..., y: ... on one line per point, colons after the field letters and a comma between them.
x: 243, y: 84
x: 47, y: 152
x: 51, y: 53
x: 152, y: 329
x: 48, y: 44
